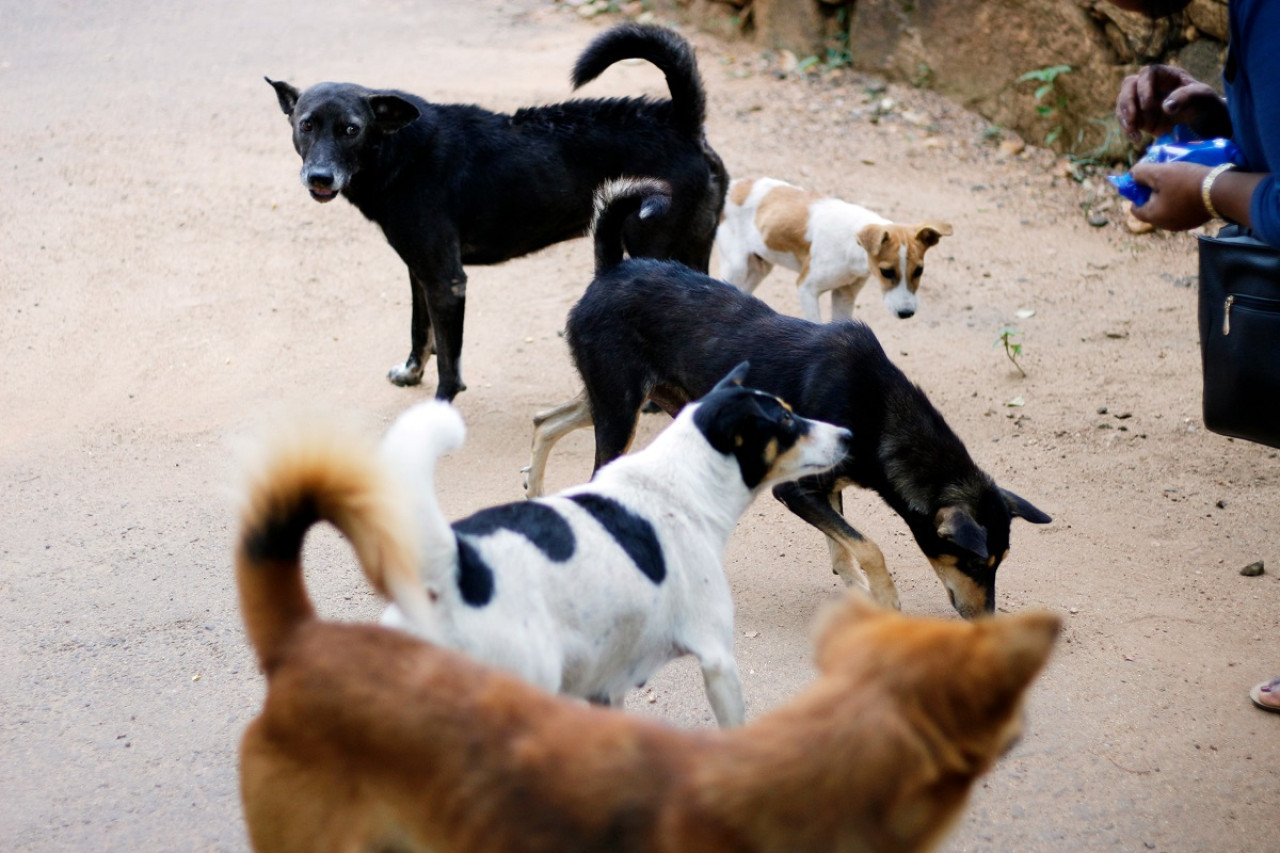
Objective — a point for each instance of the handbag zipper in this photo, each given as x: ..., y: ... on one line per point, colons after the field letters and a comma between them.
x: 1246, y: 300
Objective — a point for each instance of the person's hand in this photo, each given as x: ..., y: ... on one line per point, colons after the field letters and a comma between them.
x: 1175, y: 203
x: 1161, y: 96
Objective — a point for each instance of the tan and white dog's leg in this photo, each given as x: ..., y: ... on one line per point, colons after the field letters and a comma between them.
x: 810, y: 287
x: 842, y: 299
x: 548, y: 428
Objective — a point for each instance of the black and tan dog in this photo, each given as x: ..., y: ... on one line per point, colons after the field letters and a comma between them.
x: 454, y: 184
x: 656, y: 329
x: 370, y: 739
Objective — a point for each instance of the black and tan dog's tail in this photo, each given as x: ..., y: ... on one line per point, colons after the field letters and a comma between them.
x: 664, y: 48
x: 615, y: 203
x: 307, y: 474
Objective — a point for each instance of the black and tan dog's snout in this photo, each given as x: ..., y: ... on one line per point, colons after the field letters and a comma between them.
x: 970, y: 596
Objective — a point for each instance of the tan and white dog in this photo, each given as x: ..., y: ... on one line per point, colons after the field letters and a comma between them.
x: 834, y: 245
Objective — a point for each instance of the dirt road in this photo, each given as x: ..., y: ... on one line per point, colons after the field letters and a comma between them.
x: 165, y: 283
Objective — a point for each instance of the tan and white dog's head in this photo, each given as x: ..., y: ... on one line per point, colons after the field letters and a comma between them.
x: 896, y: 255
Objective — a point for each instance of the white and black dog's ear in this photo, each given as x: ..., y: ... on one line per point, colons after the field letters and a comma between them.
x: 392, y: 112
x: 734, y: 378
x: 1022, y: 508
x: 285, y: 94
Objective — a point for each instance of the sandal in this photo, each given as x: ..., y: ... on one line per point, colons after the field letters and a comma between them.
x: 1267, y: 695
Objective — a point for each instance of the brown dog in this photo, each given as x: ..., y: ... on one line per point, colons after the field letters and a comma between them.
x: 372, y: 740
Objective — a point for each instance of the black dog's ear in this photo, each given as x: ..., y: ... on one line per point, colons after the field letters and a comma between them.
x: 285, y: 94
x: 392, y: 112
x: 1022, y: 508
x: 956, y: 525
x: 734, y: 378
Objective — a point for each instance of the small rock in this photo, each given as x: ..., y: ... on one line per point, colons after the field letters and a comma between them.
x: 787, y: 61
x: 1253, y: 570
x: 1063, y: 169
x: 1102, y: 410
x: 1098, y: 219
x: 1222, y: 504
x: 1012, y: 147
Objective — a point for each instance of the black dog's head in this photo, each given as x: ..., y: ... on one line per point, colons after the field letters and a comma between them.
x: 967, y: 537
x: 333, y: 123
x: 770, y: 442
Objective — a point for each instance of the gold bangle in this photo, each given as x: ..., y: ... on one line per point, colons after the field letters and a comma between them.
x: 1207, y: 186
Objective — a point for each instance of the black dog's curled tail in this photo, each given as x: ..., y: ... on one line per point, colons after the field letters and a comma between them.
x: 616, y: 201
x: 664, y: 48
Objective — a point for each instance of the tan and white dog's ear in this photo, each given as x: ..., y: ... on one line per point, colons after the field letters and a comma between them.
x: 929, y: 233
x: 872, y: 238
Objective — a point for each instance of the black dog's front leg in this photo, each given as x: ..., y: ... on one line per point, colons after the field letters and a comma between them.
x: 421, y: 338
x: 446, y: 299
x: 439, y: 288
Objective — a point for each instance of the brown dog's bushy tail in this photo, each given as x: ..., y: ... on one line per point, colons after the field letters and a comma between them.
x: 616, y: 201
x: 301, y: 476
x: 664, y: 48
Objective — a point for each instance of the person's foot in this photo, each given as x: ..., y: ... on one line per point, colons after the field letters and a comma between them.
x: 1267, y: 695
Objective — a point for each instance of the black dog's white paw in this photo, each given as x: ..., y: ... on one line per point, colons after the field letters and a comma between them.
x: 405, y: 375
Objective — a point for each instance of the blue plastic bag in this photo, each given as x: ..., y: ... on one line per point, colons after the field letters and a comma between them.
x: 1182, y: 145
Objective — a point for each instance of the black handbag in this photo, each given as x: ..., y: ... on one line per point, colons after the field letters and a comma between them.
x: 1240, y: 335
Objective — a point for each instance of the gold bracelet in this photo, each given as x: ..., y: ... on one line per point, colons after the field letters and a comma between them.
x: 1207, y: 186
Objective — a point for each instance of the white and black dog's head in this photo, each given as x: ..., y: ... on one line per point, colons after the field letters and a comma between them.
x: 771, y: 443
x: 334, y: 124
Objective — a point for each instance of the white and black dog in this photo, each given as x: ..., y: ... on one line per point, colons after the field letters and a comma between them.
x: 454, y: 184
x: 590, y: 591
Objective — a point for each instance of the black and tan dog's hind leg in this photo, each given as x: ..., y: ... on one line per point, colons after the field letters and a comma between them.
x: 856, y: 559
x: 548, y: 428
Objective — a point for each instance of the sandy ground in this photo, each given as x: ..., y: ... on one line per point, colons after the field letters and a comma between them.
x: 165, y: 283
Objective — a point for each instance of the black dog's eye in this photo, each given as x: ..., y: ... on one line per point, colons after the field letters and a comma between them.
x: 352, y: 130
x: 305, y: 125
x: 887, y: 272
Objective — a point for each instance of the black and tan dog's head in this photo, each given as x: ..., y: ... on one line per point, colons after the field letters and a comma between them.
x: 333, y: 126
x: 966, y: 538
x: 770, y: 442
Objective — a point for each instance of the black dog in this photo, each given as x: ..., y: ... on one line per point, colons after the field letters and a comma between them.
x: 456, y: 184
x: 655, y: 329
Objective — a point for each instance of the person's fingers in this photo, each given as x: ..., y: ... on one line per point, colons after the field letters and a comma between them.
x: 1127, y: 107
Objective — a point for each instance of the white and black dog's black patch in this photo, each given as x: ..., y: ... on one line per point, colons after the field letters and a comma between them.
x: 590, y: 591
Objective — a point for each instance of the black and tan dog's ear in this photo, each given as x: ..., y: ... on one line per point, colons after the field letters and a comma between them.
x: 735, y: 378
x: 1022, y: 508
x: 957, y: 526
x: 931, y: 232
x: 392, y: 112
x: 285, y: 94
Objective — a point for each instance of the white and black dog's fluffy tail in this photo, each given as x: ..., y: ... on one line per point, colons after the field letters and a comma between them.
x: 414, y: 444
x: 307, y: 473
x: 664, y: 48
x: 615, y: 203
